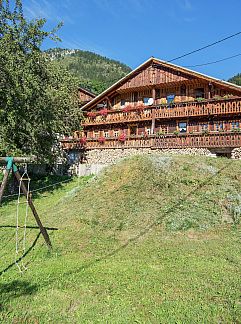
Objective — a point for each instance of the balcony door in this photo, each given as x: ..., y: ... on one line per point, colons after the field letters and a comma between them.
x: 133, y: 130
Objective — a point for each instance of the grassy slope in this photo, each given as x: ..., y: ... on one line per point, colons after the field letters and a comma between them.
x: 116, y: 257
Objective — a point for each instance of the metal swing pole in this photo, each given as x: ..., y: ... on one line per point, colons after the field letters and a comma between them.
x: 10, y: 165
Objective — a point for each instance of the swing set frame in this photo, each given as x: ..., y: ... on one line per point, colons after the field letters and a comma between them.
x: 11, y: 167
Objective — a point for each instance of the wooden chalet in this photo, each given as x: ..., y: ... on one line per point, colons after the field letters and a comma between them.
x: 85, y: 96
x: 160, y: 105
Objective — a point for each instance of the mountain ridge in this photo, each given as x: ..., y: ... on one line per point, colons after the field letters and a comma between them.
x: 95, y: 72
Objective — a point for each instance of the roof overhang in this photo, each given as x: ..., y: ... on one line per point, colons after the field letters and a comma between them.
x: 150, y: 61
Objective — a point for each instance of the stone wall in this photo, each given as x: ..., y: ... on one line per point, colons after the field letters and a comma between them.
x: 112, y: 156
x: 236, y: 153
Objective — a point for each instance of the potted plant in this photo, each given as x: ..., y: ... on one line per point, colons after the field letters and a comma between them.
x: 122, y: 137
x: 103, y: 112
x: 101, y: 139
x: 140, y: 108
x: 91, y: 114
x: 127, y: 108
x: 83, y: 140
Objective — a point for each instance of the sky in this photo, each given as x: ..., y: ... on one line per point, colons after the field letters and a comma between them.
x: 131, y: 31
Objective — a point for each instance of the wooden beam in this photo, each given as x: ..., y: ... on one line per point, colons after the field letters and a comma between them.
x: 35, y: 214
x: 109, y: 103
x: 19, y: 159
x: 153, y: 121
x: 4, y: 183
x: 154, y: 95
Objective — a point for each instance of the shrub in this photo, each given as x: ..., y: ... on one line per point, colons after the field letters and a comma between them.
x: 200, y: 99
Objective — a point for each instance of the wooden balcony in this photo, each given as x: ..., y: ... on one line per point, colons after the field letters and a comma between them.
x: 198, y: 140
x: 210, y: 107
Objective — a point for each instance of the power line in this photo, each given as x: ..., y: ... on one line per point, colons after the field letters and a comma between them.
x: 42, y: 188
x: 209, y: 45
x: 203, y: 64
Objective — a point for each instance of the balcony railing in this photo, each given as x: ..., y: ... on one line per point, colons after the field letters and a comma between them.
x: 176, y: 110
x: 198, y: 140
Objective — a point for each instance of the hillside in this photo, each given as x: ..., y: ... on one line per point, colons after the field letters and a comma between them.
x: 236, y: 79
x: 151, y: 239
x: 95, y: 72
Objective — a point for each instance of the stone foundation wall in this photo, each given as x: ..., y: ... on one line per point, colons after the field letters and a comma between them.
x: 236, y: 153
x: 112, y: 156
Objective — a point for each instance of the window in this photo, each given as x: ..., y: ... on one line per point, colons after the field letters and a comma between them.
x: 116, y: 133
x: 96, y: 134
x: 133, y: 129
x: 163, y: 129
x: 123, y: 102
x: 148, y: 101
x: 218, y: 126
x: 170, y: 98
x: 235, y: 124
x: 135, y: 96
x: 148, y: 131
x: 106, y: 133
x: 199, y: 93
x: 158, y: 93
x: 182, y: 127
x: 183, y: 91
x: 204, y: 127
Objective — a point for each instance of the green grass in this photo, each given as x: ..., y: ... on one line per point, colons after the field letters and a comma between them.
x: 151, y: 240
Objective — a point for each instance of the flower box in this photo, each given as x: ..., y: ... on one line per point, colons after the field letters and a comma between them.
x: 83, y: 140
x: 122, y: 137
x: 103, y: 112
x: 101, y: 139
x: 91, y: 114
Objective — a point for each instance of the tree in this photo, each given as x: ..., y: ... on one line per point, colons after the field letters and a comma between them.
x: 38, y: 98
x: 236, y: 79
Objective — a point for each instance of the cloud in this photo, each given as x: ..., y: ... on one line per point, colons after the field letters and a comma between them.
x: 185, y: 5
x: 44, y: 9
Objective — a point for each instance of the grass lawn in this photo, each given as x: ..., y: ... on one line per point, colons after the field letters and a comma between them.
x: 152, y: 240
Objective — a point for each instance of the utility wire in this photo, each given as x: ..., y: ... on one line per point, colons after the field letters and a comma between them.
x: 42, y: 188
x: 203, y: 64
x: 209, y: 45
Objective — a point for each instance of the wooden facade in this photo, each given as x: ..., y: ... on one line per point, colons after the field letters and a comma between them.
x: 161, y: 105
x: 85, y: 96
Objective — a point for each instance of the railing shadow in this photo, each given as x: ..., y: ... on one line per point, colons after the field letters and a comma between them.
x: 15, y: 289
x: 23, y: 256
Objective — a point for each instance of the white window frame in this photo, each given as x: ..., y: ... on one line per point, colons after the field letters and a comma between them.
x: 116, y: 132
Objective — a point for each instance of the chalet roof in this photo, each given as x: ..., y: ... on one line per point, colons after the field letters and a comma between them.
x: 91, y: 94
x: 165, y: 64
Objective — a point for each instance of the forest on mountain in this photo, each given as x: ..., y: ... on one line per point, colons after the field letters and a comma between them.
x: 94, y: 72
x: 236, y: 79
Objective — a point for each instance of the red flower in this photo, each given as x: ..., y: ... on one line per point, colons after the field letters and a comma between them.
x: 140, y: 107
x: 122, y: 137
x: 103, y: 112
x: 101, y: 139
x: 127, y: 108
x: 83, y: 140
x: 91, y: 114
